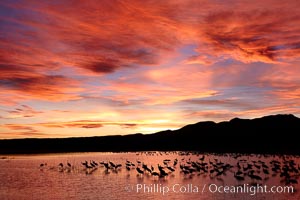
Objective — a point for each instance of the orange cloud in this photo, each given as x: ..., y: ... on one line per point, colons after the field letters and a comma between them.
x: 23, y: 111
x: 250, y: 37
x: 224, y: 115
x: 288, y: 94
x: 138, y: 34
x: 23, y: 81
x: 19, y: 131
x: 93, y: 41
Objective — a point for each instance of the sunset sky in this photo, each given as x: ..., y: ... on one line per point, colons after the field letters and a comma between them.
x: 71, y: 68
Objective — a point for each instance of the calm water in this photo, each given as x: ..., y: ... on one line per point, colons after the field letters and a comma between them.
x: 22, y: 177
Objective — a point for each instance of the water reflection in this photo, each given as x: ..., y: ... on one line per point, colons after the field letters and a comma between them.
x: 147, y: 175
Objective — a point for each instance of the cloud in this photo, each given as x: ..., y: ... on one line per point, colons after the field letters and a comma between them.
x: 23, y: 111
x: 23, y: 131
x: 231, y: 104
x: 129, y: 125
x: 284, y: 81
x: 227, y: 114
x: 41, y: 38
x: 247, y: 32
x: 248, y: 37
x: 30, y: 81
x: 102, y: 67
x: 122, y: 61
x: 73, y: 35
x: 292, y: 94
x: 87, y: 124
x: 138, y: 34
x: 160, y: 86
x: 202, y: 60
x: 20, y: 131
x: 19, y: 127
x: 119, y: 34
x: 24, y: 81
x: 214, y: 115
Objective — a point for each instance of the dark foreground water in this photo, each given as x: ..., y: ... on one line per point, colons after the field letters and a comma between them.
x: 149, y: 175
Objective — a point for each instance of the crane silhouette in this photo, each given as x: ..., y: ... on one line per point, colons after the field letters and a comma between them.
x: 139, y: 171
x: 238, y: 177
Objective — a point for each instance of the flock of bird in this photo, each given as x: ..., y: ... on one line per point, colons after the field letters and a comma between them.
x: 242, y: 169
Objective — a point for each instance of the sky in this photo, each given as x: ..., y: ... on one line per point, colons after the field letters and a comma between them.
x: 79, y: 68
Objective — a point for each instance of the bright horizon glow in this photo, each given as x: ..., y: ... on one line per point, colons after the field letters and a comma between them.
x: 80, y: 68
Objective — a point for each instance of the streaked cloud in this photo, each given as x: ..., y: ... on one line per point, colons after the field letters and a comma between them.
x: 23, y: 111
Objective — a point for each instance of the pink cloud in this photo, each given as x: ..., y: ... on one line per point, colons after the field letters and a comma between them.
x: 23, y: 111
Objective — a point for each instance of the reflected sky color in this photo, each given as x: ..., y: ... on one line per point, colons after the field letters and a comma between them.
x: 84, y: 68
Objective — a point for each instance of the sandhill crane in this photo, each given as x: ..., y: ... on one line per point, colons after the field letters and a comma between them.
x: 92, y: 164
x: 163, y: 173
x: 159, y: 167
x: 266, y: 171
x: 106, y: 165
x: 145, y: 167
x: 202, y: 158
x: 118, y: 166
x: 112, y: 164
x: 175, y: 162
x: 291, y: 181
x: 95, y: 163
x: 253, y: 176
x: 139, y: 170
x: 239, y: 178
x: 171, y: 169
x: 155, y: 174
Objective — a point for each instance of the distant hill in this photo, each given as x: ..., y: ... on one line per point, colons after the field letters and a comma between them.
x: 275, y: 134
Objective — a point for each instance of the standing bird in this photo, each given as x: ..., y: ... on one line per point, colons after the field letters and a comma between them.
x: 163, y: 173
x: 239, y: 178
x: 139, y: 170
x: 171, y: 169
x: 155, y: 174
x: 202, y: 158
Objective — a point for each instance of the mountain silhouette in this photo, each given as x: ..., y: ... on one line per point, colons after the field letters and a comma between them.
x: 274, y: 134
